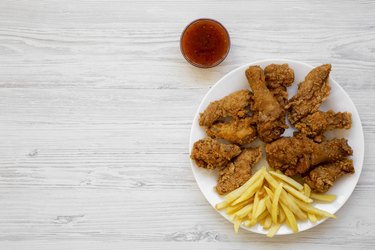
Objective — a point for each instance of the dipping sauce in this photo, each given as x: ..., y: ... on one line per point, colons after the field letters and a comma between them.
x: 205, y: 43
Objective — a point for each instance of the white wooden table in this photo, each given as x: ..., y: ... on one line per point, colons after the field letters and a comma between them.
x: 96, y: 104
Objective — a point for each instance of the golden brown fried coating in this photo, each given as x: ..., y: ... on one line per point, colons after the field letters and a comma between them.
x: 322, y: 178
x: 296, y: 155
x: 238, y: 131
x: 236, y: 173
x: 236, y: 104
x: 270, y: 115
x: 209, y: 153
x: 278, y: 78
x: 319, y: 122
x: 311, y: 93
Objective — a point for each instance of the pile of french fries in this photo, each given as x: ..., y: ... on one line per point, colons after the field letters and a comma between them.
x: 272, y: 199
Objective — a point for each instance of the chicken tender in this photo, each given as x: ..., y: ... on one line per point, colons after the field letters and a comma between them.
x: 314, y: 125
x: 322, y: 178
x: 278, y: 78
x: 236, y: 173
x: 311, y: 93
x: 209, y: 153
x: 270, y: 115
x: 296, y: 155
x: 234, y: 105
x: 238, y: 131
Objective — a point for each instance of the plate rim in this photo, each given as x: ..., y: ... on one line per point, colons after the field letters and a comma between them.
x: 274, y: 60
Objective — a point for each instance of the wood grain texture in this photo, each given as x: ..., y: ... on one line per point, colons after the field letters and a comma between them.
x: 96, y: 104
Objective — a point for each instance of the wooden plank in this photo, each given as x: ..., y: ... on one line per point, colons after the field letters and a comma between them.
x: 96, y: 105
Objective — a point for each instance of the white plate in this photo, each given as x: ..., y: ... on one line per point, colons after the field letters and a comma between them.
x: 338, y: 101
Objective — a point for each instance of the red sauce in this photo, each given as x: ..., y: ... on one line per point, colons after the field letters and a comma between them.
x: 205, y: 43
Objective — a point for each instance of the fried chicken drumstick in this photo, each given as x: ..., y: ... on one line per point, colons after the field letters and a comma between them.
x: 319, y: 122
x: 270, y: 115
x: 296, y: 155
x: 321, y: 178
x: 209, y: 153
x: 310, y: 94
x: 236, y: 173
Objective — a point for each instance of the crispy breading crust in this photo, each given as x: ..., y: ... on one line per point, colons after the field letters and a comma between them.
x: 236, y: 173
x: 234, y: 105
x: 278, y: 78
x: 209, y: 153
x: 310, y: 95
x: 319, y: 122
x: 238, y: 131
x: 296, y: 155
x: 270, y: 115
x: 322, y: 178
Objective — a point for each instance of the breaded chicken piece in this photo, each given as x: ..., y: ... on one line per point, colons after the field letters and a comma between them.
x: 314, y: 125
x: 209, y: 153
x: 236, y: 173
x: 311, y: 93
x: 238, y: 131
x: 236, y: 104
x: 321, y: 178
x: 296, y: 155
x: 270, y: 115
x: 278, y: 78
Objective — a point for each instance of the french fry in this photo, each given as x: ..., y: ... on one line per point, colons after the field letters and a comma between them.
x: 244, y: 211
x: 237, y: 224
x: 262, y: 193
x: 289, y: 201
x: 251, y: 191
x: 273, y: 183
x: 233, y: 209
x: 250, y: 223
x: 297, y: 194
x: 290, y: 218
x: 256, y: 201
x: 260, y: 208
x: 312, y: 218
x: 229, y: 198
x: 273, y: 230
x: 314, y: 210
x: 323, y: 197
x: 287, y: 179
x: 282, y: 215
x: 275, y: 202
x: 268, y: 203
x: 222, y: 205
x: 306, y: 190
x: 267, y: 222
x: 272, y: 199
x: 269, y: 192
x: 263, y: 215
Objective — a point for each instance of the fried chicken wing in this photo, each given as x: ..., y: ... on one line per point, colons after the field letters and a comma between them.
x: 321, y: 178
x: 296, y: 155
x: 238, y: 131
x: 311, y: 93
x: 236, y: 173
x: 270, y: 115
x: 317, y: 123
x: 278, y: 78
x: 234, y: 105
x: 209, y: 153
